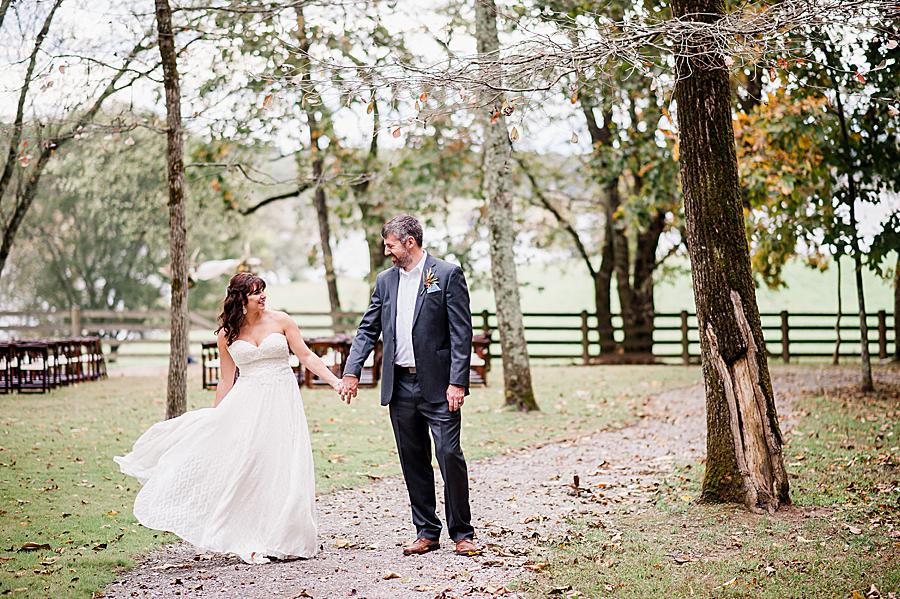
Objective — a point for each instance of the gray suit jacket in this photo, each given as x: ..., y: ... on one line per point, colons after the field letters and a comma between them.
x: 442, y: 331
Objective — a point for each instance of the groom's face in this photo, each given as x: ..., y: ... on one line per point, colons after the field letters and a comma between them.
x: 399, y: 250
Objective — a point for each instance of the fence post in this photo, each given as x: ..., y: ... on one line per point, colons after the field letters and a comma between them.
x: 882, y: 334
x: 585, y: 344
x: 685, y: 343
x: 485, y: 323
x: 785, y: 341
x: 75, y: 321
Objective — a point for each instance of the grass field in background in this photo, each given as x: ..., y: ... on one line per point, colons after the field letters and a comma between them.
x: 60, y: 487
x: 566, y: 287
x: 841, y: 537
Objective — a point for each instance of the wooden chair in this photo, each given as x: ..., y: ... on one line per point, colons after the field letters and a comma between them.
x: 481, y: 360
x: 6, y: 360
x: 32, y: 371
x: 94, y: 346
x: 209, y: 363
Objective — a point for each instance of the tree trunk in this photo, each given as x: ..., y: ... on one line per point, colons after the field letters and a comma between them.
x: 372, y: 212
x: 744, y: 460
x: 865, y: 381
x: 836, y: 357
x: 643, y: 307
x: 318, y: 162
x: 600, y: 137
x: 602, y: 300
x: 897, y: 310
x: 176, y: 392
x: 518, y: 389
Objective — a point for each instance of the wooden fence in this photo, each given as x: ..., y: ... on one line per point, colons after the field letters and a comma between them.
x: 556, y: 336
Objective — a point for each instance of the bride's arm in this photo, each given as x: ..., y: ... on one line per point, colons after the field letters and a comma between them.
x: 306, y: 356
x: 226, y: 369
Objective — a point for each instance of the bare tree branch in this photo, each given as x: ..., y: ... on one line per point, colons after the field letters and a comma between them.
x: 281, y: 196
x: 19, y: 122
x: 557, y: 214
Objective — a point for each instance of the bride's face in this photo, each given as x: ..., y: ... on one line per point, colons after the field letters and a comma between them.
x: 256, y: 300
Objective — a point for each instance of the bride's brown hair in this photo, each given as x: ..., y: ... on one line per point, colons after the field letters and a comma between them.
x: 234, y: 306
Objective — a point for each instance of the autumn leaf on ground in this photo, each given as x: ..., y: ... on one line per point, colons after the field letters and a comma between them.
x: 267, y: 101
x: 536, y: 567
x: 32, y: 546
x: 390, y: 576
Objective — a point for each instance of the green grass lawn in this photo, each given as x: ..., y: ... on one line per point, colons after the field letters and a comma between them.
x: 60, y: 487
x: 840, y: 539
x: 564, y: 286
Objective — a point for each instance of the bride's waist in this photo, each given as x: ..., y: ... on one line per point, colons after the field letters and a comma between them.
x: 266, y: 372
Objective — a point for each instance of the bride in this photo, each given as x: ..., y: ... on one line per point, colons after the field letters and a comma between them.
x: 238, y: 477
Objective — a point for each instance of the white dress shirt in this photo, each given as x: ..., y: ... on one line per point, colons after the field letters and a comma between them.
x: 407, y: 292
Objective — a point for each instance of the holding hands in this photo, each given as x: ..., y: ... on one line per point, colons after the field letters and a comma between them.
x: 347, y: 388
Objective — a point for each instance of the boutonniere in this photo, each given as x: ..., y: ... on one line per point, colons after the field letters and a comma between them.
x: 431, y: 282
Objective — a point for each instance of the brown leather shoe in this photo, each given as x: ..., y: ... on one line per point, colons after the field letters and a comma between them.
x: 467, y: 547
x: 420, y: 546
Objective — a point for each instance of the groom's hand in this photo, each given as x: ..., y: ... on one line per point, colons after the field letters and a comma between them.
x: 351, y: 384
x: 456, y: 396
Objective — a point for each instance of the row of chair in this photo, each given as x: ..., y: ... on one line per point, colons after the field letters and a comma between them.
x: 335, y: 351
x: 39, y: 365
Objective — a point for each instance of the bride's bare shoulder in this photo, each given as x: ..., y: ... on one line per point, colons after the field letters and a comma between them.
x: 280, y: 317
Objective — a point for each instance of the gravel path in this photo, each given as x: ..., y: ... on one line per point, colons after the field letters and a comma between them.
x: 517, y: 500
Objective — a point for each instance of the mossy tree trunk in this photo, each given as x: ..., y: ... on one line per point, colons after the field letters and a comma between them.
x: 176, y: 392
x: 517, y: 385
x: 744, y: 458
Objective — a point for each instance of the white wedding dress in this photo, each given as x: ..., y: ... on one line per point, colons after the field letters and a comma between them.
x: 237, y: 478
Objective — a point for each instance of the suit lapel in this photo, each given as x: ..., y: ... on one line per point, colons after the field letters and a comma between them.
x: 393, y: 283
x: 420, y: 297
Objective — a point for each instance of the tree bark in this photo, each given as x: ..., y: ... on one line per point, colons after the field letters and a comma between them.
x: 897, y: 310
x: 518, y: 389
x: 865, y: 380
x: 836, y: 357
x: 318, y: 167
x: 643, y: 306
x: 372, y: 212
x: 176, y: 392
x: 744, y: 458
x: 600, y: 137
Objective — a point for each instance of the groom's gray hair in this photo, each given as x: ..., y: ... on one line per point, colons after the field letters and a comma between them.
x: 403, y: 226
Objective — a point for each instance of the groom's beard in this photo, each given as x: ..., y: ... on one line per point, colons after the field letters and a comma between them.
x: 401, y: 262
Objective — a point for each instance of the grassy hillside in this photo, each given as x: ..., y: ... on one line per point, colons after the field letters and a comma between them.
x: 565, y: 287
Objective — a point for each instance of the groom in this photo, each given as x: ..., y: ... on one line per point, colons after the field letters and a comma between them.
x: 421, y: 308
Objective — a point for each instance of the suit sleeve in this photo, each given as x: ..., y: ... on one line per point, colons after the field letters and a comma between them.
x: 459, y: 317
x: 366, y: 334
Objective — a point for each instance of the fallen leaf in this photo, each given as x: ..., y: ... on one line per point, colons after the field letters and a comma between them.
x: 390, y: 576
x: 730, y: 583
x: 267, y: 101
x: 32, y: 546
x: 854, y: 530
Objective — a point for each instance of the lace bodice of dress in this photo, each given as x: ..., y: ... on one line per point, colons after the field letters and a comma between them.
x: 270, y: 358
